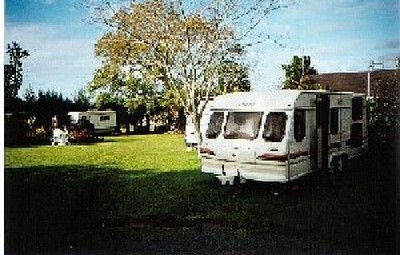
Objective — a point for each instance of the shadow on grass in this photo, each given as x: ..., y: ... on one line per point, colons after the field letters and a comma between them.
x: 91, y: 210
x: 58, y: 208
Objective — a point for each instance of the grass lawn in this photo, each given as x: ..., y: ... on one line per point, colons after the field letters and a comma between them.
x: 56, y: 197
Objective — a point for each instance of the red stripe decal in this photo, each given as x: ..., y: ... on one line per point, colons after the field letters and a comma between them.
x: 282, y: 157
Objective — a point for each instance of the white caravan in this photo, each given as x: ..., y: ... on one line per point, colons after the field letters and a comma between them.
x: 279, y: 136
x: 103, y: 121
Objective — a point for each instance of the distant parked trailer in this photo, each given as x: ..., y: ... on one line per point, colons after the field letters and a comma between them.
x: 105, y: 122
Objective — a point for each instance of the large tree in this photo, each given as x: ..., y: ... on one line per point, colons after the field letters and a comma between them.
x: 176, y: 47
x: 13, y: 71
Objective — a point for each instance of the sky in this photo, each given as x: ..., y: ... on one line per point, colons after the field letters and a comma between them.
x: 339, y: 36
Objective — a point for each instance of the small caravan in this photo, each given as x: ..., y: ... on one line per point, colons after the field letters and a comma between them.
x: 103, y: 121
x: 282, y: 135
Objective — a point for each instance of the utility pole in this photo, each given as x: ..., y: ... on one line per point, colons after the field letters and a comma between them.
x: 302, y: 62
x: 371, y: 69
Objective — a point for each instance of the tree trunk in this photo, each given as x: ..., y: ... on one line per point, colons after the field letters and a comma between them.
x: 195, y: 121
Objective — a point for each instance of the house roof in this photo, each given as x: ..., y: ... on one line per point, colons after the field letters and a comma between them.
x: 358, y: 82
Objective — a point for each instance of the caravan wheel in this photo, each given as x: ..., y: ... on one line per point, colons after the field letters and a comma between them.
x: 338, y: 164
x: 345, y: 163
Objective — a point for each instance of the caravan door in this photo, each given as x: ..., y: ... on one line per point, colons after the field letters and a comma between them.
x: 322, y: 136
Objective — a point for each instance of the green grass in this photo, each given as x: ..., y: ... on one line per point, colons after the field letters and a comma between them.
x: 154, y: 152
x: 154, y: 180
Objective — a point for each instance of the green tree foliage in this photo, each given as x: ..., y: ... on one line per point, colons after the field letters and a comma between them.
x: 81, y: 99
x: 296, y: 74
x: 106, y: 100
x: 29, y: 95
x: 233, y: 77
x: 13, y: 70
x: 48, y: 104
x: 383, y: 113
x: 44, y: 105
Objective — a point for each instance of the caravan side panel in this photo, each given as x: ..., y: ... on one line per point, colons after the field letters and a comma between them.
x: 103, y: 121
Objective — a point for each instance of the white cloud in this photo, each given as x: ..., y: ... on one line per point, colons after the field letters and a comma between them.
x: 49, y: 1
x: 388, y: 44
x: 56, y: 62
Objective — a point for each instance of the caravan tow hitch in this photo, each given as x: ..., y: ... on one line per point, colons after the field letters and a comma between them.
x: 231, y: 179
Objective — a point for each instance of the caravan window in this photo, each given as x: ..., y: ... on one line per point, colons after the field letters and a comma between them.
x: 242, y: 125
x: 274, y: 129
x: 104, y: 118
x: 334, y: 121
x: 356, y: 135
x: 357, y: 108
x: 215, y: 124
x: 299, y: 124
